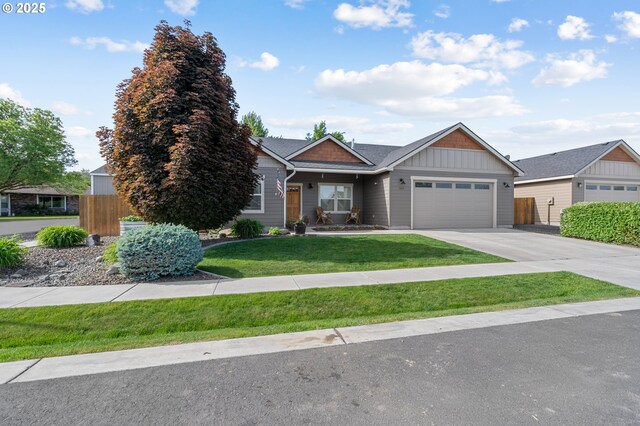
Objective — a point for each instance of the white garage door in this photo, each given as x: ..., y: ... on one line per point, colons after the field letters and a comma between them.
x: 452, y: 205
x: 611, y: 192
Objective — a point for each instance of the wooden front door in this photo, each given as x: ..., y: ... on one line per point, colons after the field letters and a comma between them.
x: 293, y: 201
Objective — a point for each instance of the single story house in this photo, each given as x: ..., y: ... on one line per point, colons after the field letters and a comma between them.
x: 607, y: 171
x: 450, y: 179
x: 35, y: 200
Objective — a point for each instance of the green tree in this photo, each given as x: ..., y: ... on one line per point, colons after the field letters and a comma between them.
x: 76, y: 182
x: 320, y: 131
x: 177, y: 152
x: 254, y: 121
x: 33, y: 147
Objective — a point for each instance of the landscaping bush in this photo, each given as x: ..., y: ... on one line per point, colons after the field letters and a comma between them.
x: 61, y: 236
x: 603, y: 221
x: 274, y: 231
x: 110, y: 255
x: 11, y: 252
x: 247, y: 228
x: 131, y: 218
x: 158, y: 250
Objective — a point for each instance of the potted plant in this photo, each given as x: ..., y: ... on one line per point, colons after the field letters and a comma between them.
x: 128, y: 223
x: 300, y: 227
x: 290, y: 224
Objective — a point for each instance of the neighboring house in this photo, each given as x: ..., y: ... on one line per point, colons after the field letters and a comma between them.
x: 34, y: 200
x: 450, y: 179
x: 604, y: 172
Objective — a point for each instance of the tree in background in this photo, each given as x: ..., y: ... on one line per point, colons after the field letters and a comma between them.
x: 76, y: 182
x: 320, y: 131
x: 177, y: 153
x: 33, y: 148
x: 254, y: 121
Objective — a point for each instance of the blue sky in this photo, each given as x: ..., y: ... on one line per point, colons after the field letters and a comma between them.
x: 529, y: 76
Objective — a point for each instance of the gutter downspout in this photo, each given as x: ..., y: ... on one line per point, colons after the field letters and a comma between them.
x: 286, y: 180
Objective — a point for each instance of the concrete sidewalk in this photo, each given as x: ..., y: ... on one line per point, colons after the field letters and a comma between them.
x: 78, y: 365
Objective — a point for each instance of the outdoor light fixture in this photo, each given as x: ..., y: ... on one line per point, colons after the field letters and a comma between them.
x: 579, y: 184
x: 506, y: 185
x: 310, y: 186
x: 402, y: 182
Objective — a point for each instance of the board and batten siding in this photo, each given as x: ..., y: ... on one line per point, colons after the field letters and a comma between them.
x: 401, y: 194
x: 618, y: 169
x: 376, y: 202
x: 559, y: 190
x: 464, y: 160
x: 273, y: 205
x: 102, y: 185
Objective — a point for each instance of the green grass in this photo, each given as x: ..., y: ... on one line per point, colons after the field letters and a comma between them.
x: 314, y: 255
x: 14, y: 218
x: 62, y: 330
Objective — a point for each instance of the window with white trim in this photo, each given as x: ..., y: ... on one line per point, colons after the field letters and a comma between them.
x: 52, y: 201
x: 335, y: 198
x: 632, y: 188
x: 256, y: 205
x: 591, y: 187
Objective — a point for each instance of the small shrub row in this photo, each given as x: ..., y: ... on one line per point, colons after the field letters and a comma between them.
x: 110, y: 255
x: 609, y: 222
x: 11, y: 252
x: 61, y: 236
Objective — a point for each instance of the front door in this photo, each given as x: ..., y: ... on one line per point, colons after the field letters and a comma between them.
x: 293, y: 201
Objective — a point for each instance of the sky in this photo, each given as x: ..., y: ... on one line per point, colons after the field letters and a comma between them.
x: 528, y: 76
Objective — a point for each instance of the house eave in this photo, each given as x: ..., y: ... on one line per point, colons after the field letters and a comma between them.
x: 546, y: 179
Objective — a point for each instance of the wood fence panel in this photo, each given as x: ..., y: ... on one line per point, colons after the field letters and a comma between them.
x: 100, y: 214
x: 524, y: 211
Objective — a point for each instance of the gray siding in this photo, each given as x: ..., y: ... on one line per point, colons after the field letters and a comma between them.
x: 102, y: 185
x: 376, y: 199
x: 273, y: 205
x: 401, y: 194
x: 578, y: 193
x: 462, y: 160
x: 310, y: 196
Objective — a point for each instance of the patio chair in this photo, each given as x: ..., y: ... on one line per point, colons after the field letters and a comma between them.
x: 323, y: 216
x: 353, y: 216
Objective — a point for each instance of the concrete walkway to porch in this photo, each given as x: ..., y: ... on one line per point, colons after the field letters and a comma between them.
x: 531, y: 253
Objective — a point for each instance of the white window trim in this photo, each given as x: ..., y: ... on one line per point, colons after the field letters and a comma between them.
x: 335, y: 205
x: 261, y: 211
x: 64, y: 201
x: 493, y: 182
x: 8, y: 203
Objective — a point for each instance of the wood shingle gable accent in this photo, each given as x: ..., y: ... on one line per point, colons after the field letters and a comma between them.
x: 458, y: 140
x: 328, y: 151
x: 618, y: 154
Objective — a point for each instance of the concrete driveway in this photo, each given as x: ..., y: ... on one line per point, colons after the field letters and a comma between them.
x: 10, y: 227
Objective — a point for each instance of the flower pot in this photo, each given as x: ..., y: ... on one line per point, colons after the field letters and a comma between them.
x: 300, y: 228
x: 128, y: 226
x: 290, y: 226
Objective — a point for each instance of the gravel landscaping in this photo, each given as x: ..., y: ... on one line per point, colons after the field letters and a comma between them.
x: 74, y: 266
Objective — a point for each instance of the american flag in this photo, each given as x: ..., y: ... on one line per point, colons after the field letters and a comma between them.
x: 279, y: 190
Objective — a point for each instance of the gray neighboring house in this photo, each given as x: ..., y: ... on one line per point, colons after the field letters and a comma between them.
x: 450, y: 179
x: 607, y: 171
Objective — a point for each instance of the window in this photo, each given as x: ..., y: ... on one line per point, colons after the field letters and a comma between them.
x: 463, y: 186
x: 424, y: 185
x: 335, y: 198
x: 52, y: 201
x: 482, y: 186
x: 605, y: 187
x: 632, y: 188
x: 443, y: 185
x: 256, y: 205
x: 4, y: 205
x: 618, y: 188
x: 591, y: 187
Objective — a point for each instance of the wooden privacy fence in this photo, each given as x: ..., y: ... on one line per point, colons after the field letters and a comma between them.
x: 100, y: 214
x: 524, y: 211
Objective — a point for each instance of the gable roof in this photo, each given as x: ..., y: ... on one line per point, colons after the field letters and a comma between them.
x: 566, y: 164
x: 330, y: 139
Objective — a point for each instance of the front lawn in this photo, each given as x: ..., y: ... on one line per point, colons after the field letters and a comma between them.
x: 27, y: 333
x: 315, y: 255
x: 17, y: 218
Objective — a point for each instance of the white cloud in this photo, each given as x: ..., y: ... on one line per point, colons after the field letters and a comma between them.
x: 111, y: 46
x: 342, y: 123
x: 267, y: 62
x: 376, y: 14
x: 64, y: 108
x: 78, y: 132
x: 85, y: 6
x: 417, y: 89
x: 610, y: 38
x: 485, y: 50
x: 182, y: 7
x: 517, y: 24
x: 499, y: 1
x: 578, y: 67
x: 602, y: 126
x: 6, y: 91
x: 630, y: 22
x: 295, y: 4
x: 574, y: 27
x: 443, y: 11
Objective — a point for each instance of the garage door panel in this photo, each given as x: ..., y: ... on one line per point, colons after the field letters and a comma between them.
x: 453, y: 205
x: 611, y: 192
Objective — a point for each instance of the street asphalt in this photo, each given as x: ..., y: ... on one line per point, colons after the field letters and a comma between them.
x: 11, y: 227
x: 575, y: 371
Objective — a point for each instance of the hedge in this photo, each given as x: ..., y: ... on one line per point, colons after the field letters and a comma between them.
x: 610, y: 222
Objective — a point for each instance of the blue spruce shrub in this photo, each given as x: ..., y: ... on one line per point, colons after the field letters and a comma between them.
x: 159, y: 250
